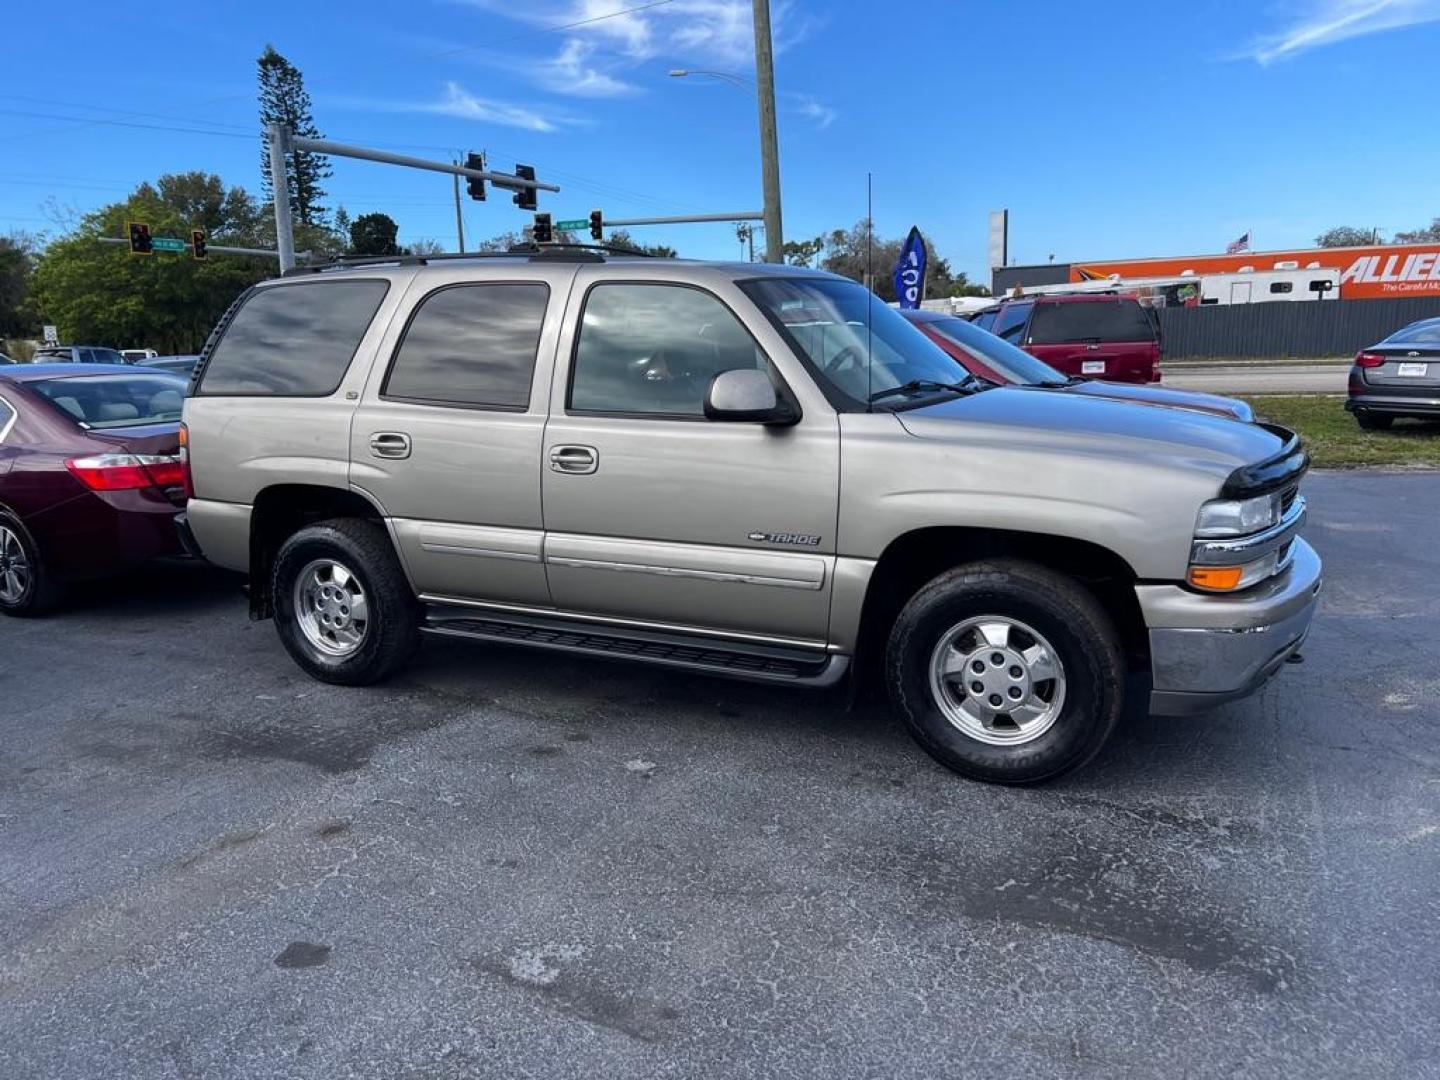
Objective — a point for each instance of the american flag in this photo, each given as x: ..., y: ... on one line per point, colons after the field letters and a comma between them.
x: 1243, y: 244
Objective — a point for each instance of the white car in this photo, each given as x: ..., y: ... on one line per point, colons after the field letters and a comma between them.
x: 138, y: 356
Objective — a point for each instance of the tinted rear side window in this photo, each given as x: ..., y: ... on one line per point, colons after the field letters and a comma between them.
x: 1011, y: 323
x: 471, y: 345
x: 1091, y: 320
x: 293, y: 340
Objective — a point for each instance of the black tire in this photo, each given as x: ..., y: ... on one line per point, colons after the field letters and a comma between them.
x: 392, y: 630
x: 41, y: 592
x: 1369, y: 421
x: 1080, y: 633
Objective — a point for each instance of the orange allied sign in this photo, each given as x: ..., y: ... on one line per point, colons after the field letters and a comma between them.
x: 1366, y: 273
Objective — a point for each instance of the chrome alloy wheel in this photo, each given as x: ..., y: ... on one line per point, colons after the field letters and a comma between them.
x: 997, y: 680
x: 14, y: 567
x: 331, y: 608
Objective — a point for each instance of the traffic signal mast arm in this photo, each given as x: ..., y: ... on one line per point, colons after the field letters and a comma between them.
x: 512, y: 181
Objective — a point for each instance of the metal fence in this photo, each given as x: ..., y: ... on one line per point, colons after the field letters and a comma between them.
x: 1306, y: 328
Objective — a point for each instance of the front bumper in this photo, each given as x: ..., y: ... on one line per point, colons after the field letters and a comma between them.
x: 1206, y: 650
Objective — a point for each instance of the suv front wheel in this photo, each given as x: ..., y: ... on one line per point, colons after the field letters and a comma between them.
x: 343, y: 608
x: 1006, y: 671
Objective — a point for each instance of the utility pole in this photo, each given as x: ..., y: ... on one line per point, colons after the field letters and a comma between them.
x: 280, y: 185
x: 769, y: 151
x: 459, y: 220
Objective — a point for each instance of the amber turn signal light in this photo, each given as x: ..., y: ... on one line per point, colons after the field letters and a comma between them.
x: 1216, y: 578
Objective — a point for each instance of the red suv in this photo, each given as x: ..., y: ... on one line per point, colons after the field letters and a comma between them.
x: 1088, y: 335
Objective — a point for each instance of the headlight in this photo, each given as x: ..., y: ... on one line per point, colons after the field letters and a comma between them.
x: 1238, y: 517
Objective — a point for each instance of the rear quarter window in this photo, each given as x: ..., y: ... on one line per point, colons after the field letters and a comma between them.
x: 1094, y: 320
x: 293, y: 340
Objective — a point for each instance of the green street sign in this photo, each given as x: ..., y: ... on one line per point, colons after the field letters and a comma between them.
x: 572, y: 225
x: 167, y: 243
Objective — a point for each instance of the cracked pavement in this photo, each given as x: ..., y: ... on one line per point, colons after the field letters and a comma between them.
x: 511, y: 864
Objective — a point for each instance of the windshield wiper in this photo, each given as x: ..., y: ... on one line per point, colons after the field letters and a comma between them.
x: 916, y: 386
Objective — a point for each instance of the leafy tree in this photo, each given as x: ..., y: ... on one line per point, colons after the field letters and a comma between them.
x: 1428, y: 235
x: 341, y: 223
x: 846, y: 254
x: 801, y: 252
x: 284, y: 100
x: 1347, y: 236
x: 622, y: 238
x: 374, y: 234
x: 16, y: 264
x: 507, y: 240
x: 103, y: 295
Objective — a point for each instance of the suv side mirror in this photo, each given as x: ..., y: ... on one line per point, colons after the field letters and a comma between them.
x: 746, y: 395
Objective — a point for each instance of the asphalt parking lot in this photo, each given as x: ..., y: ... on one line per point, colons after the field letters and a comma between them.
x: 508, y: 864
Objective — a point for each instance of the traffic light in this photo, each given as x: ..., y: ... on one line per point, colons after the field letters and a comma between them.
x: 525, y: 197
x: 544, y: 232
x: 197, y: 243
x: 597, y: 225
x: 474, y: 186
x: 140, y: 239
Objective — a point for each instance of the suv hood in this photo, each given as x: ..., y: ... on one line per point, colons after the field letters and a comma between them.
x: 1094, y: 426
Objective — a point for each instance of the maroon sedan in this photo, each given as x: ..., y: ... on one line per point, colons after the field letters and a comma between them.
x: 91, y: 475
x: 988, y: 357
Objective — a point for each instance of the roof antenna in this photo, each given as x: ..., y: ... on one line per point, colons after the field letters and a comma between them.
x: 869, y: 282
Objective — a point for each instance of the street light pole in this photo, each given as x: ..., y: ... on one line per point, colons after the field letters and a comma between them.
x: 769, y: 150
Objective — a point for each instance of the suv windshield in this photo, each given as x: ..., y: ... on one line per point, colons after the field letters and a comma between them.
x: 1120, y: 319
x: 1000, y: 356
x: 112, y: 401
x: 825, y: 321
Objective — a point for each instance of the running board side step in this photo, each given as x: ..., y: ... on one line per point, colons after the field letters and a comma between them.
x: 726, y: 659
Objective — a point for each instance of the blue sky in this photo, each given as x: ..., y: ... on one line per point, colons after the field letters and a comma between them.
x: 1109, y: 129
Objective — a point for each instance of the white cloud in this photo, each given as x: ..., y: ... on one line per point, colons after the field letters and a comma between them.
x: 709, y: 33
x: 572, y: 73
x: 458, y: 102
x: 1324, y: 22
x: 817, y: 111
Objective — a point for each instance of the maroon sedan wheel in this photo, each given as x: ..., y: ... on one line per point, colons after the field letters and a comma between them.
x: 25, y: 588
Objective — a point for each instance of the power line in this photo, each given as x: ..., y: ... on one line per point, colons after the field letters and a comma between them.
x: 124, y: 123
x: 548, y: 30
x: 75, y: 122
x: 128, y: 112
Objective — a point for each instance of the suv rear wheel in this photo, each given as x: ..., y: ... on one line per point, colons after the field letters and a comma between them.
x: 1006, y: 671
x: 343, y: 608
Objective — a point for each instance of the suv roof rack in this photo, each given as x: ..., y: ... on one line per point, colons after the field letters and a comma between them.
x: 586, y: 253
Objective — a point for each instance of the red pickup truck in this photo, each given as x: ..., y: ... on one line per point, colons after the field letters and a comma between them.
x: 1087, y: 335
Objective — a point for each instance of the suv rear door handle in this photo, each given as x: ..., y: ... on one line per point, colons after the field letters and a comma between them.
x: 577, y: 460
x: 390, y: 444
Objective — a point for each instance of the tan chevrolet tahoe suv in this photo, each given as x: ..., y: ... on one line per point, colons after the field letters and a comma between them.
x: 740, y: 470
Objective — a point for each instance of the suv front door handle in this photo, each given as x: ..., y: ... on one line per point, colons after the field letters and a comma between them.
x: 390, y: 444
x: 574, y: 459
